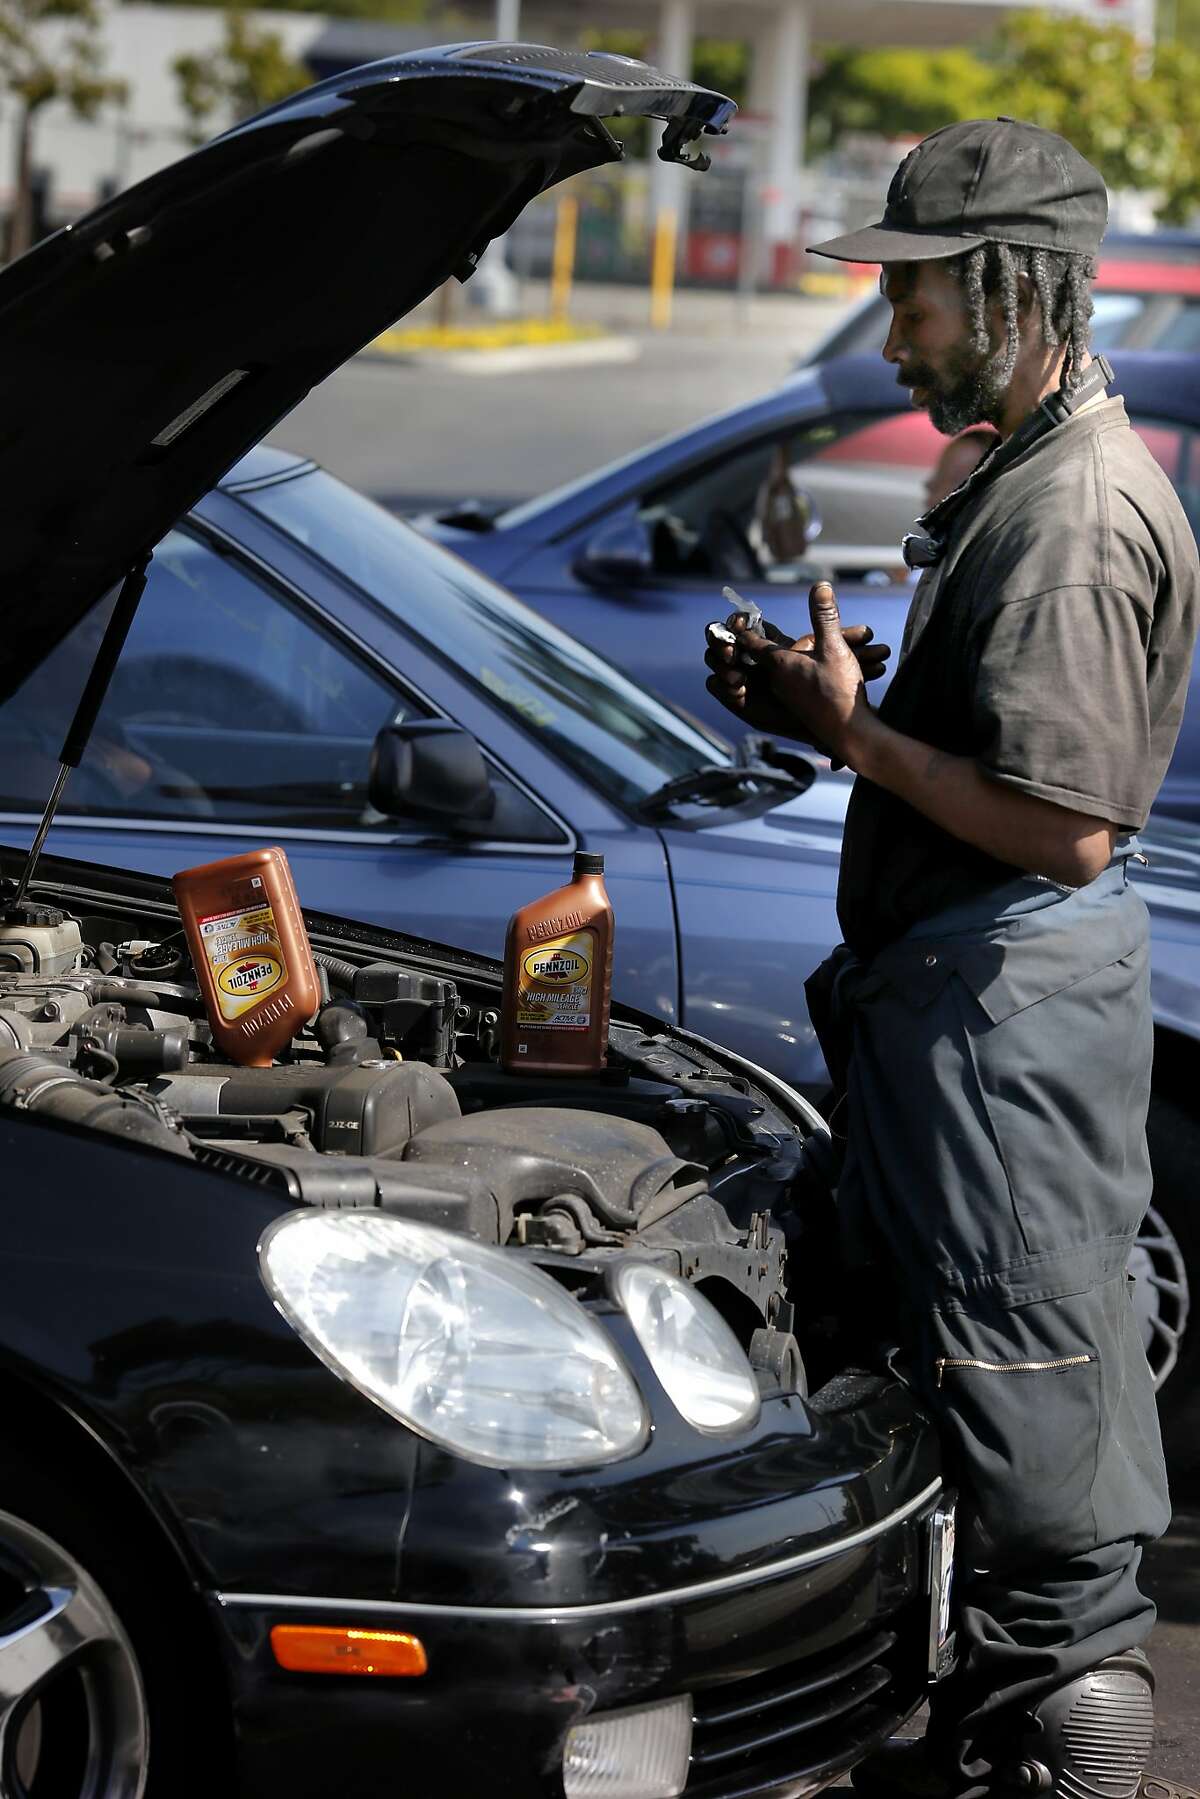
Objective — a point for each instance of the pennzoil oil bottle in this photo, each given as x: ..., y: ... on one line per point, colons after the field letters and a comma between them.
x: 558, y: 978
x: 250, y: 951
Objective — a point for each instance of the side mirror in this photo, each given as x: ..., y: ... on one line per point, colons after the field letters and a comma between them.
x: 621, y: 554
x: 431, y: 769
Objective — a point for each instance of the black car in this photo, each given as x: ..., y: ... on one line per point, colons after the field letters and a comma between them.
x: 376, y: 1418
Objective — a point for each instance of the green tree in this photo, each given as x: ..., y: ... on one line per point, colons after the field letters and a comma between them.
x: 250, y: 70
x: 1179, y: 70
x: 1133, y: 112
x: 894, y: 92
x: 724, y: 65
x: 1178, y: 22
x: 49, y: 50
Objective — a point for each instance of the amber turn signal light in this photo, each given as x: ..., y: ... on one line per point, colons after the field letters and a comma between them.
x: 334, y: 1649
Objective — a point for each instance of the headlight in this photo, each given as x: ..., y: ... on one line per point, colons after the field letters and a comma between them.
x: 692, y: 1350
x: 475, y: 1349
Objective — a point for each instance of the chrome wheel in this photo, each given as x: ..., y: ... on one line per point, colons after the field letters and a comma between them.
x: 1161, y: 1296
x: 73, y: 1718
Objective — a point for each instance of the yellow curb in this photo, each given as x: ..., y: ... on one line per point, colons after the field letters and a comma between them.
x: 510, y: 335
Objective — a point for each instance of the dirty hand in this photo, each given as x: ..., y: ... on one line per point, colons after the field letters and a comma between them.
x: 811, y: 689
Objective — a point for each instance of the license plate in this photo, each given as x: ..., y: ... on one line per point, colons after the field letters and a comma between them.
x: 941, y: 1581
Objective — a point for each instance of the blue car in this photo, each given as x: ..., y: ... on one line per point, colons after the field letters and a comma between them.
x: 632, y: 558
x: 287, y: 620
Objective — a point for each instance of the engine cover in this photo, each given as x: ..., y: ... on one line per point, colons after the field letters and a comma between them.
x: 623, y: 1170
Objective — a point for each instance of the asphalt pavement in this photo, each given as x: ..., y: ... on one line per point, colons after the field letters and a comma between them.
x: 1171, y: 1579
x: 416, y: 432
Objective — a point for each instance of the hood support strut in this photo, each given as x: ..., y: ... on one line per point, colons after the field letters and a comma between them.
x: 91, y: 700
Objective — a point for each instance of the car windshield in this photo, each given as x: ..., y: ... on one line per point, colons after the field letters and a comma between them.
x: 603, y: 726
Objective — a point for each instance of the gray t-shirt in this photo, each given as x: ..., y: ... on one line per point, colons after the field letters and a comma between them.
x: 1053, y: 643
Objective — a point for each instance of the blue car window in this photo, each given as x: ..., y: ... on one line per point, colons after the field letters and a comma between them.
x: 831, y: 499
x: 584, y: 711
x: 1114, y: 317
x: 227, y: 704
x: 1182, y: 331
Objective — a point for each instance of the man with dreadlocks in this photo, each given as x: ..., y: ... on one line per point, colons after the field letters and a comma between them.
x: 987, y: 1020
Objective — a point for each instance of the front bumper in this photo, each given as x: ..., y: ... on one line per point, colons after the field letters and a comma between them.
x: 796, y: 1671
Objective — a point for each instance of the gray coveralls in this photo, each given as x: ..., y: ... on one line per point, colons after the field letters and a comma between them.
x: 996, y: 1166
x: 992, y: 1033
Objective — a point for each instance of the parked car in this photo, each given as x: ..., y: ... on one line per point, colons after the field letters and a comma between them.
x: 288, y: 619
x: 1147, y: 297
x: 473, y: 1455
x: 632, y: 558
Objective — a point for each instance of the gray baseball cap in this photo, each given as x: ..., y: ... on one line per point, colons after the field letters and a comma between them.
x: 985, y: 180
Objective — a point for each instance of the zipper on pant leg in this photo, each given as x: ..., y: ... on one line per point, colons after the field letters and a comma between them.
x: 1066, y: 1361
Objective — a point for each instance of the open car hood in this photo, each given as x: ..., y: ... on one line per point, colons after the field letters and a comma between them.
x: 148, y: 346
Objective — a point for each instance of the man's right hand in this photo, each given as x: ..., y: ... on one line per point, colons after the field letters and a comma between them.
x: 747, y: 694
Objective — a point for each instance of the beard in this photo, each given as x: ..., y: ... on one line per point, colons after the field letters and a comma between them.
x: 970, y: 390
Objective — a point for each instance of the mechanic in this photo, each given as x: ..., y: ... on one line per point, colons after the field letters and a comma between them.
x: 988, y: 1017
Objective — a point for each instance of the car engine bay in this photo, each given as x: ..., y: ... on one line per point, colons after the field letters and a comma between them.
x: 392, y: 1098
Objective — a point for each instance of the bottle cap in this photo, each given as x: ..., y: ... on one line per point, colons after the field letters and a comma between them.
x: 587, y: 863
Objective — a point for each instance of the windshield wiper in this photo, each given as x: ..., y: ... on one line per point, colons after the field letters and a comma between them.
x: 715, y: 783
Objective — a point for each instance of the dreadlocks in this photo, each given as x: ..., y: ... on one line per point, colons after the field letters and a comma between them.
x: 1062, y: 282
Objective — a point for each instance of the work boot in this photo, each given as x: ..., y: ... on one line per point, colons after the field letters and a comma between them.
x: 1089, y: 1739
x: 900, y: 1769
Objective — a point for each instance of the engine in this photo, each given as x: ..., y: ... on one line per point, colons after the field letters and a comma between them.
x: 392, y: 1098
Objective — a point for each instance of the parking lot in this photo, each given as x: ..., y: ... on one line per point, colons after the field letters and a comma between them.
x: 418, y: 432
x: 411, y: 432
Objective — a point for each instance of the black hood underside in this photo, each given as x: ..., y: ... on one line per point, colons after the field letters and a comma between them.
x: 145, y: 349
